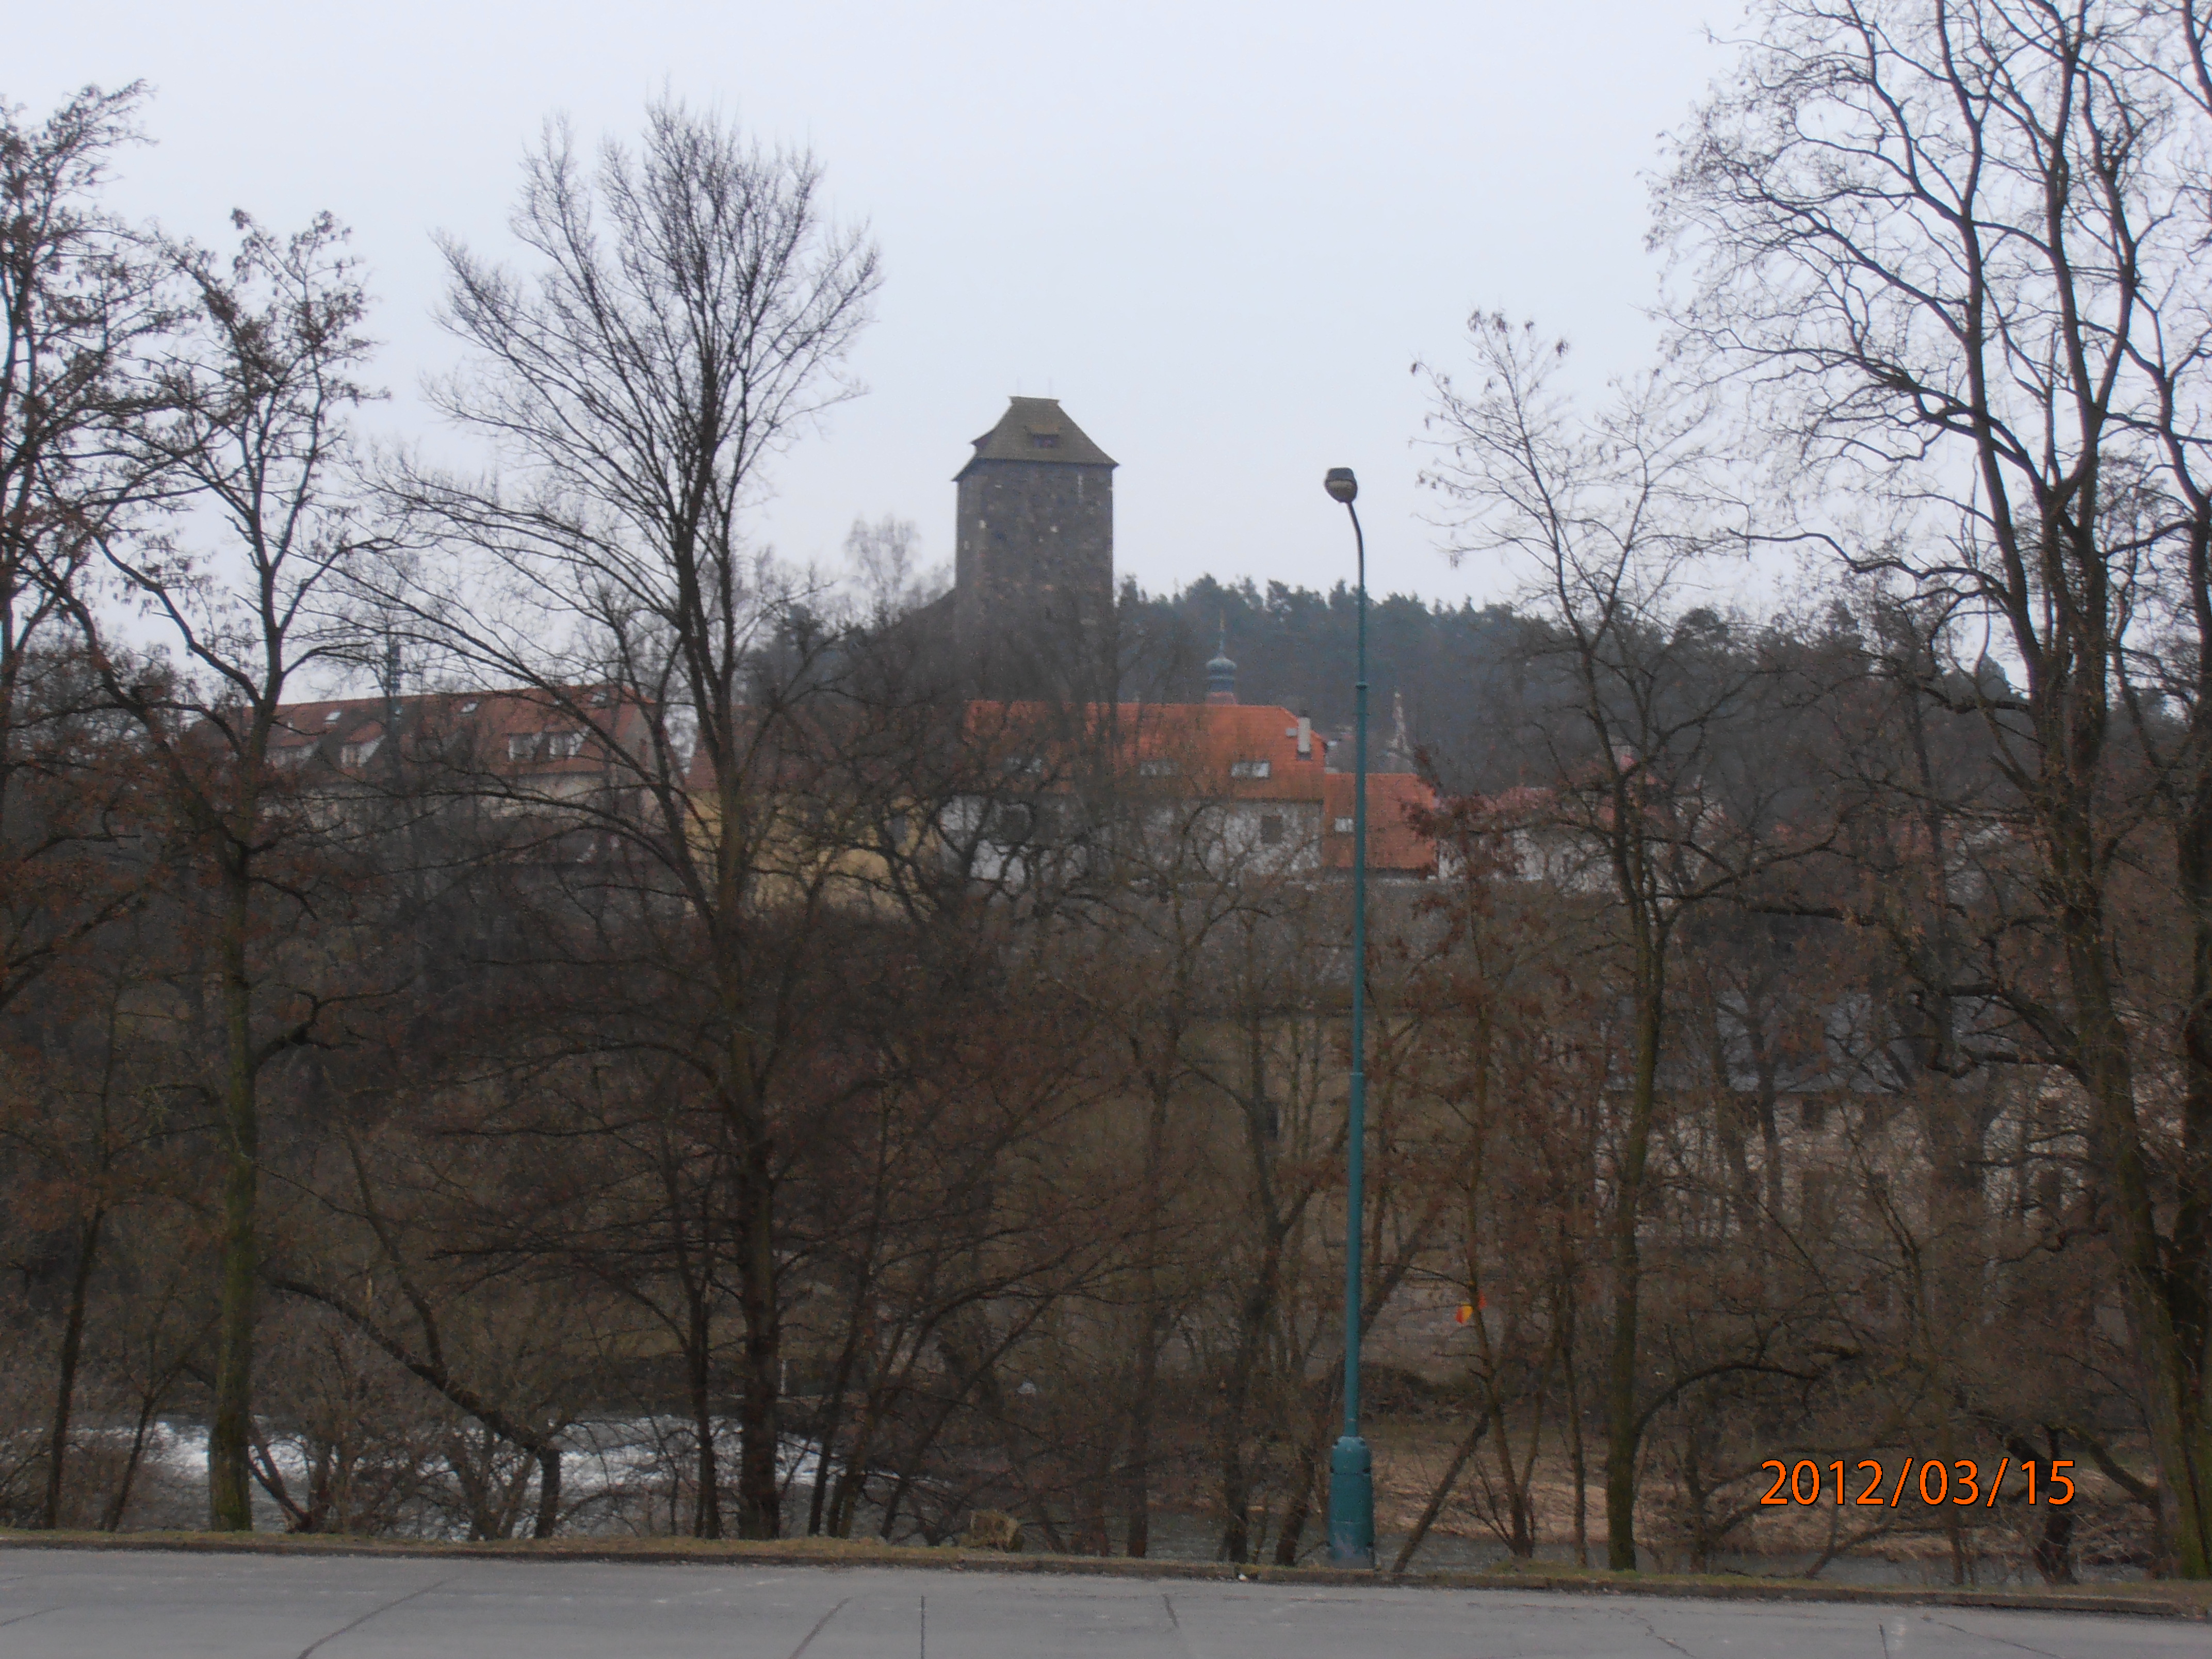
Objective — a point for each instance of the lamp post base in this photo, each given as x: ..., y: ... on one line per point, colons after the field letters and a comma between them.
x: 1351, y: 1504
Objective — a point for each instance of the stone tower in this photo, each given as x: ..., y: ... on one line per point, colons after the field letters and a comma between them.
x: 1033, y: 570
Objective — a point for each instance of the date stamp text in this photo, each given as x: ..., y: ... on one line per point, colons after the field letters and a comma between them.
x: 1930, y: 1480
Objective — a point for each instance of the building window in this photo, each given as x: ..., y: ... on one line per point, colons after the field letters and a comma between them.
x: 523, y: 745
x: 1156, y: 768
x: 1024, y: 766
x: 1044, y: 440
x: 1250, y: 769
x: 1344, y: 826
x: 357, y: 754
x: 1271, y: 829
x: 563, y: 746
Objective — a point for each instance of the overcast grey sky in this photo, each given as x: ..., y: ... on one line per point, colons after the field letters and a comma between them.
x: 1219, y: 234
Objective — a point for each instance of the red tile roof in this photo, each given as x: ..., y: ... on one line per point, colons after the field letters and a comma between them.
x: 1236, y: 751
x: 1218, y: 749
x: 491, y: 721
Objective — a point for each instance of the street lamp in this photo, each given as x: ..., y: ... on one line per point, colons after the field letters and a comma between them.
x: 1350, y: 1466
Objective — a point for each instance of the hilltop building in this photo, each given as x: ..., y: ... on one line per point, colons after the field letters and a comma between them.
x: 1031, y: 617
x: 1033, y: 560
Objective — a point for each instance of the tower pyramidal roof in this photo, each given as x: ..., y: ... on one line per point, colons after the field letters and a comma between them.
x: 1037, y: 429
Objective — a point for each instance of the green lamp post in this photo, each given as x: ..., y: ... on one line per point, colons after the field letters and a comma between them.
x: 1350, y: 1466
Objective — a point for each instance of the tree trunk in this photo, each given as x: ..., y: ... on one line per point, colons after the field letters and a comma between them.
x: 825, y: 1439
x: 1262, y: 1129
x: 2189, y: 1273
x: 230, y: 1499
x: 1136, y: 1480
x: 1299, y: 1510
x: 760, y: 1501
x: 1577, y: 1462
x: 110, y: 1518
x: 88, y: 1247
x: 2181, y: 1431
x: 852, y: 1480
x: 698, y: 1357
x: 1622, y: 1436
x: 1235, y: 1474
x: 1435, y: 1506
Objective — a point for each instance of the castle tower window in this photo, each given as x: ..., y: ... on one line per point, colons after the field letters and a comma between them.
x: 1044, y: 440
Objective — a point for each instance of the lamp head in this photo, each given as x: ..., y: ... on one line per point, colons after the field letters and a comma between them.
x: 1341, y: 485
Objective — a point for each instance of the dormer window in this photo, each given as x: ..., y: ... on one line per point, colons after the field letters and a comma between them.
x: 357, y: 754
x: 1044, y: 440
x: 469, y: 706
x: 331, y: 719
x: 563, y: 746
x: 523, y: 745
x: 1156, y: 768
x: 1250, y: 769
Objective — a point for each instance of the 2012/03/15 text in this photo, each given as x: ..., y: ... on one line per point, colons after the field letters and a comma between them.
x: 1808, y: 1482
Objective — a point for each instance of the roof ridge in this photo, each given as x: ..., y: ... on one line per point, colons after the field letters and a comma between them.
x: 1038, y: 430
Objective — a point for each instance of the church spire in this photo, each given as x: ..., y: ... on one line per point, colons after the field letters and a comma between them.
x: 1221, y: 672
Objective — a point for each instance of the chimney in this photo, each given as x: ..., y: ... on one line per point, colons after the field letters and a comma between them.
x: 1305, y: 737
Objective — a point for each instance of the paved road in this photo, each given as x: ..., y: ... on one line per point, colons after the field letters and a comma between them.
x: 60, y: 1604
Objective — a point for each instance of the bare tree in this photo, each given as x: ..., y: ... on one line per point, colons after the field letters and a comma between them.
x: 1647, y: 798
x: 886, y: 567
x: 1960, y: 249
x: 688, y: 314
x: 1182, y: 879
x: 83, y: 303
x: 251, y: 430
